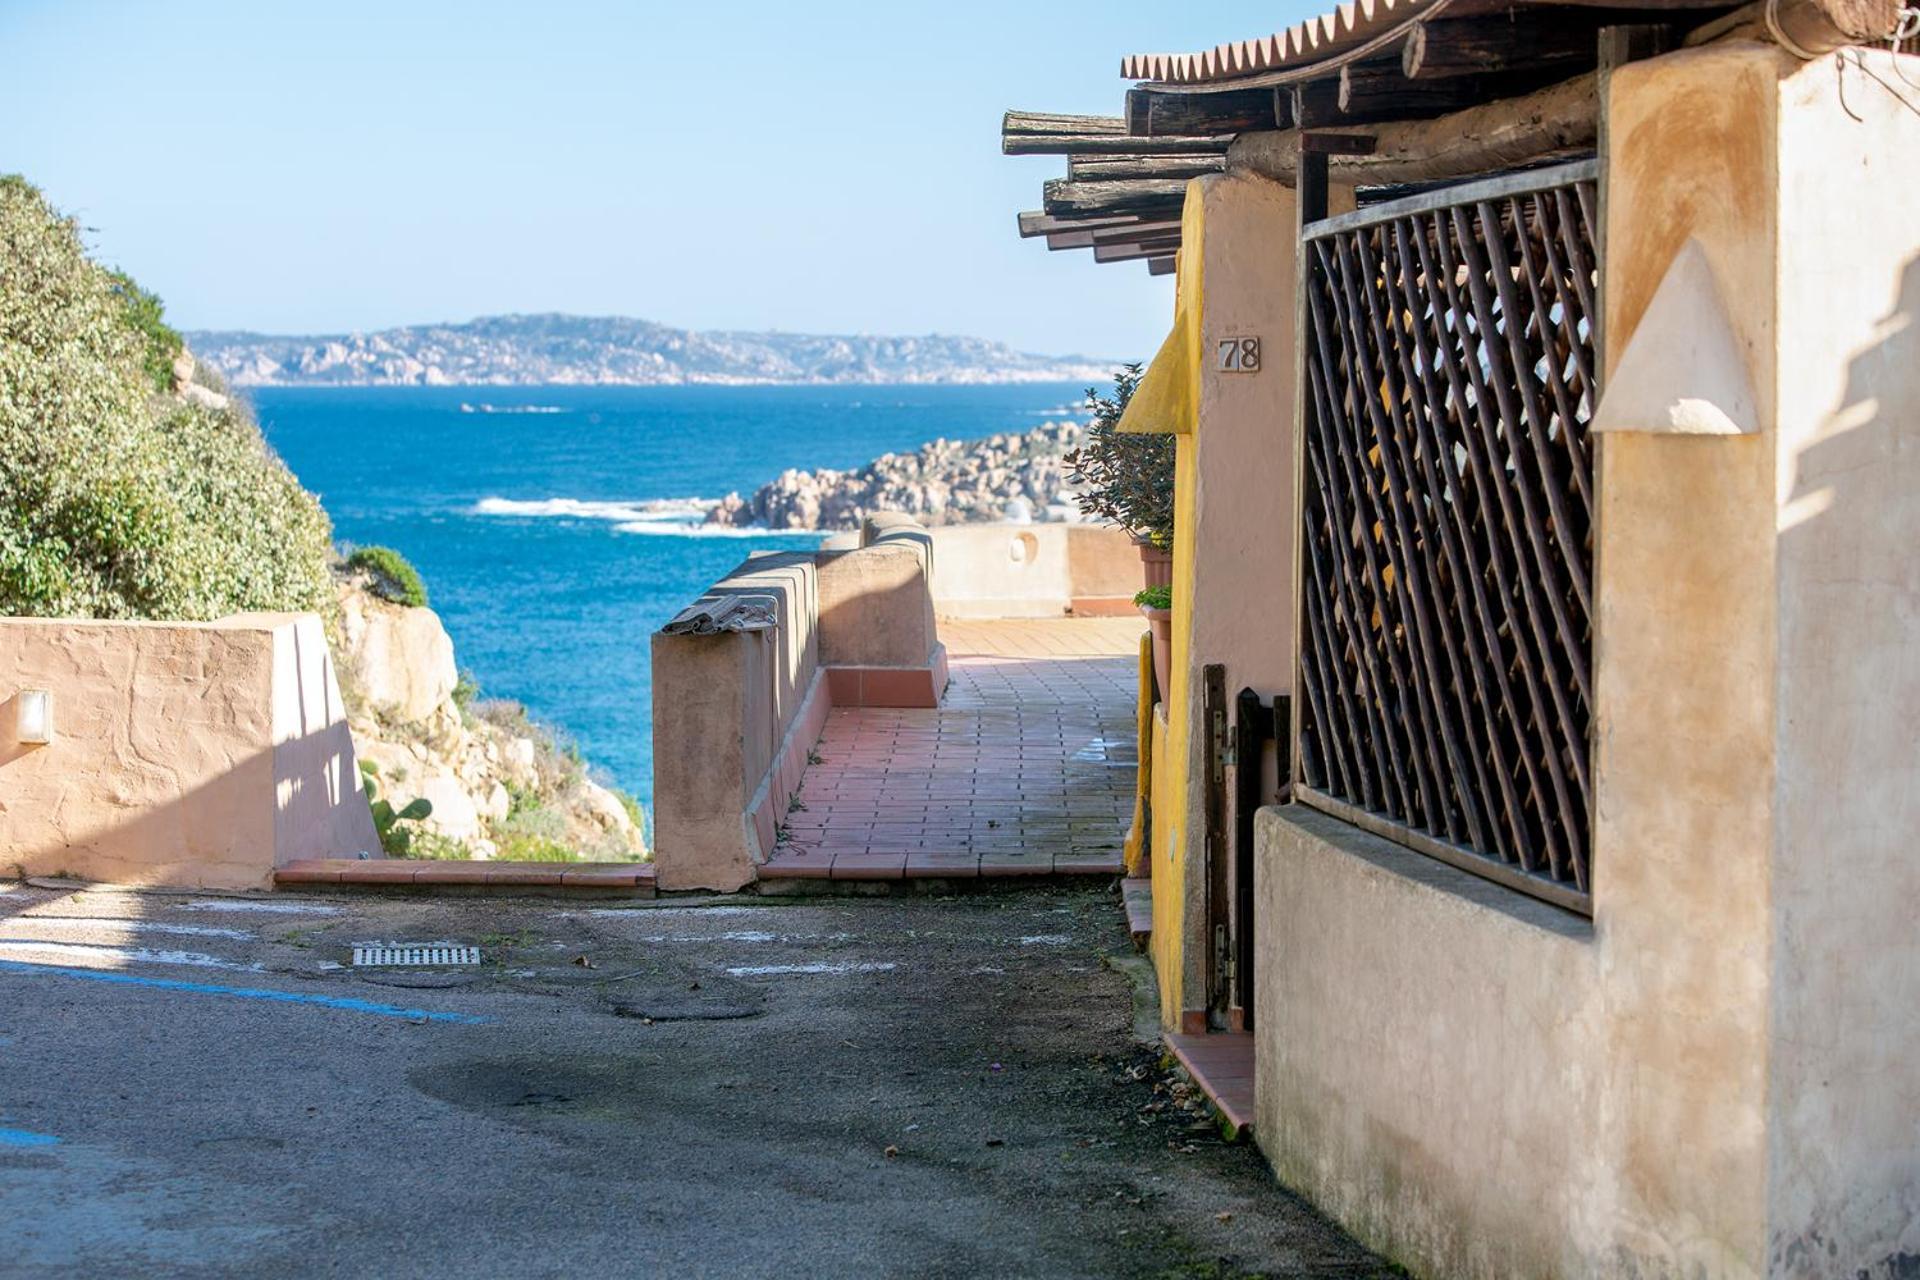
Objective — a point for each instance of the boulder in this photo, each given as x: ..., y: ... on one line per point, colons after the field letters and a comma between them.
x: 399, y: 659
x: 454, y: 815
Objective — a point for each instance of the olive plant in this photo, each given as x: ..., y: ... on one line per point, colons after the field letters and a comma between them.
x: 1127, y: 479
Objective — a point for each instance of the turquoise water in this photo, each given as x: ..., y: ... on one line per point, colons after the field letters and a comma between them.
x: 553, y: 532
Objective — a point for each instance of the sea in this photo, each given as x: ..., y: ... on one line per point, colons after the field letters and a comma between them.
x: 558, y: 527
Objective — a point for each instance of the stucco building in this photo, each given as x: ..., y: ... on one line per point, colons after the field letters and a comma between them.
x: 1532, y: 790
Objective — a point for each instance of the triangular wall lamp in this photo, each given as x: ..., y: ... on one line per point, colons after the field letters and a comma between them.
x: 1683, y: 371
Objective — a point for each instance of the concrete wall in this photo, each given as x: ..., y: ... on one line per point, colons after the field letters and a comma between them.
x: 193, y: 754
x: 1721, y: 1075
x: 1033, y: 570
x: 1428, y: 1053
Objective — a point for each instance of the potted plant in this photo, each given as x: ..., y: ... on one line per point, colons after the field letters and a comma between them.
x: 1128, y: 479
x: 1157, y: 604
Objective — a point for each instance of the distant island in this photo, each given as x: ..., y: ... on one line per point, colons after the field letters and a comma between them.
x: 614, y: 350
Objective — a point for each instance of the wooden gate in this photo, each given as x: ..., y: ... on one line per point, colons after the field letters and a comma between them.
x: 1447, y: 538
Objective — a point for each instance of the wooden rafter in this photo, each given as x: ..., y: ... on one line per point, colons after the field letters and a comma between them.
x: 1140, y: 196
x: 1113, y: 168
x: 1151, y: 114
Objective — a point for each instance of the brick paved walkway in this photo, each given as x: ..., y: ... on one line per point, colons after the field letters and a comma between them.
x: 1026, y: 768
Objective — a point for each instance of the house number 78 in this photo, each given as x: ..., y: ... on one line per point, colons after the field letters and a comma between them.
x: 1238, y: 355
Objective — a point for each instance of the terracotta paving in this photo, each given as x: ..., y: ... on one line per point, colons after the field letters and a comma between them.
x: 626, y: 878
x: 1025, y: 769
x: 1222, y: 1065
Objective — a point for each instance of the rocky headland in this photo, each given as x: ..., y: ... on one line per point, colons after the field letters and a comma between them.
x: 565, y: 350
x: 1015, y: 475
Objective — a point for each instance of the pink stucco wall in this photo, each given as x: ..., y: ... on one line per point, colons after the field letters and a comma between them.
x: 191, y: 754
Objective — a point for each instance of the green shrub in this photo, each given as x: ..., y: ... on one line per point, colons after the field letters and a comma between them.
x: 1128, y: 478
x: 532, y: 831
x: 117, y: 501
x: 394, y: 578
x: 1154, y: 597
x: 143, y: 312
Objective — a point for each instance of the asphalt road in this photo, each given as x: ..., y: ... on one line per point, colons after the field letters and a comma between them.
x: 202, y: 1086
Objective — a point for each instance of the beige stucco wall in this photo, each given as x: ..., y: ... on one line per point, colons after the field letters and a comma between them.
x: 735, y: 714
x: 875, y: 609
x: 1723, y: 1077
x: 191, y: 754
x: 723, y: 709
x: 1843, y: 1080
x: 1030, y: 570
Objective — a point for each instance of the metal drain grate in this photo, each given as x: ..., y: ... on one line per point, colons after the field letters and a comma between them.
x: 388, y: 955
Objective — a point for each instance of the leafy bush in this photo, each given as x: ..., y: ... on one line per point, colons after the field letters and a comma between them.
x: 144, y: 315
x: 1160, y: 597
x: 394, y: 579
x: 532, y: 831
x: 117, y: 501
x: 1129, y: 478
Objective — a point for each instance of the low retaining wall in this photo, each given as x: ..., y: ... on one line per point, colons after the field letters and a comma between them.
x: 1034, y: 570
x: 199, y: 755
x: 736, y: 711
x: 1431, y: 1056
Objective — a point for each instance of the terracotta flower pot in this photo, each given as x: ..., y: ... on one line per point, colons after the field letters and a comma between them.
x: 1157, y: 563
x: 1160, y: 626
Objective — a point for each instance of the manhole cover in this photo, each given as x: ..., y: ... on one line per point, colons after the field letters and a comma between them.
x: 379, y: 955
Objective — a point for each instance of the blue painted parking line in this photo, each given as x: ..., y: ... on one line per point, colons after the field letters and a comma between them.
x: 26, y: 1138
x: 241, y: 993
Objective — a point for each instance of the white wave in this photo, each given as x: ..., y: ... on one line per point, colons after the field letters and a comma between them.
x: 670, y: 517
x: 581, y: 509
x: 695, y: 529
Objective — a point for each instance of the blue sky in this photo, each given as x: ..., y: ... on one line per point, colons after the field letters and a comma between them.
x: 802, y: 166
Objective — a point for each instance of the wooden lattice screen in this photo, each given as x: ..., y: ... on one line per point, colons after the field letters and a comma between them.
x: 1448, y: 500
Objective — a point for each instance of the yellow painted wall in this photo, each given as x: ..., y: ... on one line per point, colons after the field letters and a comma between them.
x: 1178, y: 372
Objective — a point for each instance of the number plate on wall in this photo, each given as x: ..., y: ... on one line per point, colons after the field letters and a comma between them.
x: 1237, y: 355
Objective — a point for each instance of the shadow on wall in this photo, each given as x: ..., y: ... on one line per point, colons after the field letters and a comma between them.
x: 197, y: 755
x: 221, y: 833
x: 1846, y: 965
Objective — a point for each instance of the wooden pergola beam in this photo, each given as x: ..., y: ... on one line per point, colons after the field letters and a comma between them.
x: 1153, y: 114
x: 1036, y: 223
x: 1136, y: 231
x: 1065, y: 199
x: 1134, y: 252
x: 1443, y: 48
x: 1488, y: 138
x: 1048, y: 122
x: 1114, y: 168
x: 1811, y: 27
x: 1110, y: 144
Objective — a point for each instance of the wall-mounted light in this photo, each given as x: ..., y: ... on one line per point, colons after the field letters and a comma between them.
x: 33, y: 716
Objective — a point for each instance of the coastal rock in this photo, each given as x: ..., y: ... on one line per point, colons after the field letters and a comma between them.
x: 455, y: 815
x: 400, y: 659
x: 946, y: 482
x: 479, y: 766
